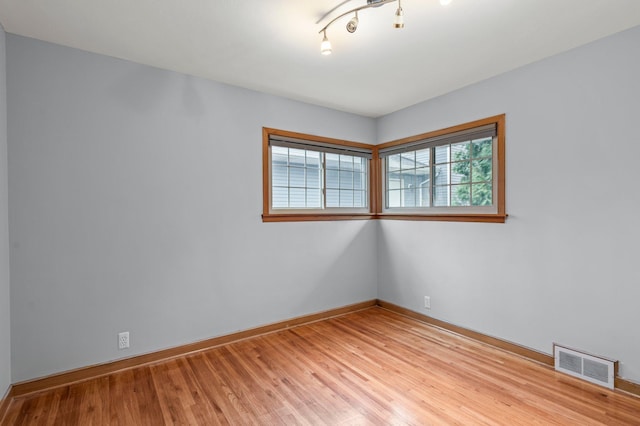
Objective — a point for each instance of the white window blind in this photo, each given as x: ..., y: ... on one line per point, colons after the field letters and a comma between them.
x: 289, y: 142
x: 488, y: 130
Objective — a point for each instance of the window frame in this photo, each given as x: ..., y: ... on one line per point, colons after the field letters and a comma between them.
x: 269, y: 214
x: 495, y: 214
x: 376, y: 177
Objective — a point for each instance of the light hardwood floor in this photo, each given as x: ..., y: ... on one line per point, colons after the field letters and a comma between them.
x: 367, y: 367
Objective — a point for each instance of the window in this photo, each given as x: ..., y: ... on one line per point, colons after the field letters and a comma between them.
x: 452, y: 174
x: 314, y: 178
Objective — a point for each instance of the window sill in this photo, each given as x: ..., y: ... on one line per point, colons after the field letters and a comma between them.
x: 293, y: 217
x: 489, y: 218
x: 297, y: 217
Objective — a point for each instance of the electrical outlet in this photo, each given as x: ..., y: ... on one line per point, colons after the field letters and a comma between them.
x: 123, y: 340
x: 427, y: 302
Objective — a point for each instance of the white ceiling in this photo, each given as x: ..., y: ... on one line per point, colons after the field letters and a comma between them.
x: 273, y: 45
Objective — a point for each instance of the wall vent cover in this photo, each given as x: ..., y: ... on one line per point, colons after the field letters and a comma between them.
x: 591, y: 368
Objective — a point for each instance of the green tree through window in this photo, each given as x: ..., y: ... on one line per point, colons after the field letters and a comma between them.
x: 472, y: 162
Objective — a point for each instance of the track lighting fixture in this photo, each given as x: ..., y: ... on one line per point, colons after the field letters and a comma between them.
x: 352, y: 25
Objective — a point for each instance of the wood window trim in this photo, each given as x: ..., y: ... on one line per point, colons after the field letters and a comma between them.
x: 375, y: 176
x: 269, y: 216
x: 499, y: 217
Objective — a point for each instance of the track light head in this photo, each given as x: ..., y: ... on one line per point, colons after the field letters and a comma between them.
x: 325, y: 47
x: 352, y: 25
x: 398, y: 22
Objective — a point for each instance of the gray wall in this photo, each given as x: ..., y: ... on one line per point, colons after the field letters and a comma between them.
x: 564, y: 268
x: 5, y: 329
x: 122, y: 178
x: 127, y: 213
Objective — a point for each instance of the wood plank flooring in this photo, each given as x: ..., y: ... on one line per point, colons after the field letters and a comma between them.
x: 368, y: 367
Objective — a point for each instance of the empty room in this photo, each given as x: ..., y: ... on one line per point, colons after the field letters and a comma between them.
x: 319, y: 212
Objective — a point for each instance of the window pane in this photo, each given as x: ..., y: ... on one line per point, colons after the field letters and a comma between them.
x: 482, y: 194
x: 314, y: 178
x: 423, y: 185
x: 279, y: 155
x: 359, y: 181
x: 422, y: 157
x: 393, y: 180
x: 408, y: 160
x: 408, y: 179
x: 423, y: 194
x: 280, y: 175
x: 408, y: 197
x: 393, y: 198
x: 441, y: 196
x: 280, y: 198
x: 482, y: 147
x: 333, y: 161
x: 360, y: 199
x: 460, y: 151
x: 333, y: 198
x: 296, y: 157
x: 442, y: 174
x: 393, y: 162
x: 346, y: 179
x: 314, y: 198
x: 296, y: 177
x: 333, y: 179
x: 460, y: 195
x: 314, y: 159
x: 482, y: 170
x: 346, y: 198
x: 460, y: 172
x: 422, y: 176
x: 297, y: 197
x: 346, y: 162
x: 359, y: 164
x: 442, y: 154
